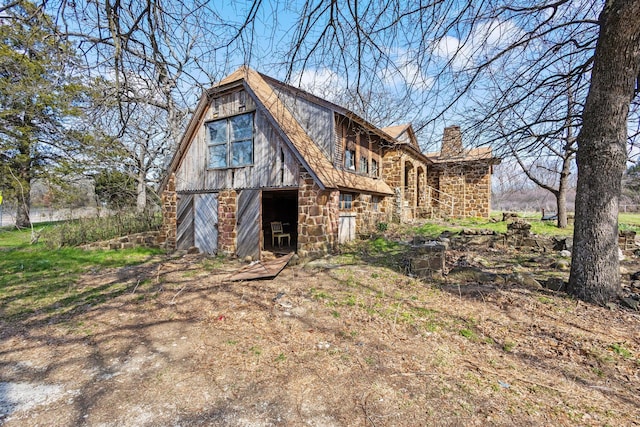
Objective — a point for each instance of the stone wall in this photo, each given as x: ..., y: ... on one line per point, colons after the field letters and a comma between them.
x: 470, y: 186
x: 317, y: 217
x: 367, y: 219
x: 148, y: 239
x: 167, y: 234
x: 227, y: 232
x: 399, y: 166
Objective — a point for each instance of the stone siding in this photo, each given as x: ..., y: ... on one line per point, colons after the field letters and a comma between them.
x: 451, y: 142
x: 367, y: 219
x: 169, y: 199
x: 470, y: 186
x: 407, y: 174
x: 227, y: 232
x: 317, y: 217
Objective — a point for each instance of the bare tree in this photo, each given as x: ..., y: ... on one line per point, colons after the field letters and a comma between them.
x: 457, y: 44
x: 539, y: 135
x: 434, y: 55
x: 151, y: 59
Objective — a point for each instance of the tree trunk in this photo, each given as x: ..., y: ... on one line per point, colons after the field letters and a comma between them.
x: 561, y: 206
x: 601, y: 157
x: 561, y: 196
x: 141, y: 192
x: 23, y: 206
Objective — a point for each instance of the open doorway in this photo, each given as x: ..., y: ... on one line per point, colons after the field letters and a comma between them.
x: 280, y: 206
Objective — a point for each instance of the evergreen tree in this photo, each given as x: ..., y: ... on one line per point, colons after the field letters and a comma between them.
x: 40, y: 103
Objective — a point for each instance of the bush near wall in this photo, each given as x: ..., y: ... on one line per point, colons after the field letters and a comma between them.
x: 88, y: 230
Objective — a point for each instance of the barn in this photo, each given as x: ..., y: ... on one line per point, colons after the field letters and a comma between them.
x: 265, y: 166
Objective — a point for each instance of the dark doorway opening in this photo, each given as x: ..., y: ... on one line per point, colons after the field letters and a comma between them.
x: 280, y: 206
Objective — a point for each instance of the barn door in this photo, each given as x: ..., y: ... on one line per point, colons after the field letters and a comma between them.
x: 248, y: 224
x: 205, y: 222
x: 184, y: 233
x: 346, y: 228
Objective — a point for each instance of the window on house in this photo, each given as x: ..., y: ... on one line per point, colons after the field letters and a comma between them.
x: 374, y: 167
x: 231, y: 141
x: 346, y: 201
x: 364, y: 164
x: 350, y: 159
x: 375, y: 203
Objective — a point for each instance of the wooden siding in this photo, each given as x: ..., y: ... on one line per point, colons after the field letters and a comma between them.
x: 248, y: 225
x: 317, y: 121
x: 268, y: 169
x: 346, y: 228
x: 184, y: 215
x: 206, y: 222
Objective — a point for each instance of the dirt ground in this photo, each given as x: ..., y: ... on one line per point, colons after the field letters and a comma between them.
x: 333, y: 342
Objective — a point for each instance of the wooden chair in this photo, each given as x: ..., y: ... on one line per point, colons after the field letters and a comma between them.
x: 278, y: 233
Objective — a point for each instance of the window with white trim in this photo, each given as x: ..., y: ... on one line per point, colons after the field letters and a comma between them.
x: 230, y: 142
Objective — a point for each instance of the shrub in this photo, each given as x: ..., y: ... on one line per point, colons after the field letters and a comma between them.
x: 88, y: 230
x: 382, y: 227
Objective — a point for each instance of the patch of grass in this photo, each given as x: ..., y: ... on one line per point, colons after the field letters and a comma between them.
x: 36, y: 279
x: 257, y: 351
x: 350, y: 301
x: 620, y: 350
x: 335, y: 314
x: 508, y: 346
x: 469, y: 334
x: 281, y: 358
x: 318, y: 294
x: 545, y: 300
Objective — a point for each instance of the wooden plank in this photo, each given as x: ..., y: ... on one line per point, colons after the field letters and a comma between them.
x: 260, y: 269
x: 248, y: 223
x: 184, y: 233
x: 206, y: 222
x: 346, y: 228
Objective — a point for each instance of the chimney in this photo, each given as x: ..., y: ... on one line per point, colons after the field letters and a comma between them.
x: 451, y: 142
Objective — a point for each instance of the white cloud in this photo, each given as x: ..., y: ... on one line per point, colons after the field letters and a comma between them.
x: 321, y: 82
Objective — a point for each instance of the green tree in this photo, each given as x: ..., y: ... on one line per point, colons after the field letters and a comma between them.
x: 115, y: 189
x: 40, y: 103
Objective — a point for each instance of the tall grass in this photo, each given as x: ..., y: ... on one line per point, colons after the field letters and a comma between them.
x: 88, y: 230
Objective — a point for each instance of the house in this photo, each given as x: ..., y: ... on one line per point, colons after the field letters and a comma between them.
x: 258, y: 151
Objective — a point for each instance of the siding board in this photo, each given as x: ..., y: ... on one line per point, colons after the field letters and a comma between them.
x: 248, y: 223
x: 184, y: 233
x: 206, y: 222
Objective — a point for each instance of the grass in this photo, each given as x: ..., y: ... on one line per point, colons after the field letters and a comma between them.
x: 34, y: 278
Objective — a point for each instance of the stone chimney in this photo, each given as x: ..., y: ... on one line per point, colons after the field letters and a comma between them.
x: 451, y: 142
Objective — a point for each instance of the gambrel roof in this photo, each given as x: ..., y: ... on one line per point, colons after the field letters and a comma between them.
x: 307, y: 152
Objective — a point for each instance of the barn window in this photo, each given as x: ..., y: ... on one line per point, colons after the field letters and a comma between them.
x: 231, y: 141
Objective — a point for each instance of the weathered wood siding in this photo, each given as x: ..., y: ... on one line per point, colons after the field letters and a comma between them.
x: 274, y: 165
x: 316, y: 120
x: 205, y: 222
x: 248, y: 223
x: 184, y: 215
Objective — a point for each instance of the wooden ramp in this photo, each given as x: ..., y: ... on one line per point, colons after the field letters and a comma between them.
x: 260, y: 269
